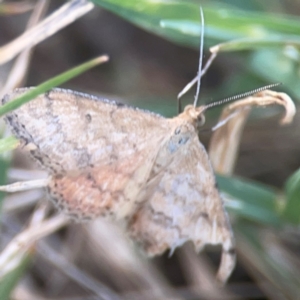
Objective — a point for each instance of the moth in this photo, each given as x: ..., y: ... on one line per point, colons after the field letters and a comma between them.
x: 108, y: 159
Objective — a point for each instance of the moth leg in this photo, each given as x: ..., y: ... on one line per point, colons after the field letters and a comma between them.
x: 24, y: 185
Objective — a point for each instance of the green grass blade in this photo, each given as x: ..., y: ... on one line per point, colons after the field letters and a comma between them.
x: 228, y: 26
x: 8, y: 283
x: 251, y: 200
x: 291, y: 212
x: 47, y: 85
x: 4, y: 165
x: 8, y: 144
x: 275, y: 65
x: 5, y: 145
x: 179, y: 21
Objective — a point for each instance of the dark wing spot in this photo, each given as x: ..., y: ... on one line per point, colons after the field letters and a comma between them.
x: 230, y: 251
x: 177, y: 130
x: 5, y: 99
x: 88, y: 117
x: 9, y: 118
x: 204, y: 215
x: 216, y: 185
x: 120, y: 104
x: 59, y: 176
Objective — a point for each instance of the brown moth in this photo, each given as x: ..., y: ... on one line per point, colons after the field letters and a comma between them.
x: 108, y: 159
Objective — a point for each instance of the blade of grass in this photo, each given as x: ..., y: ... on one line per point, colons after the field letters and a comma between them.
x: 11, y: 279
x: 4, y: 165
x: 47, y: 85
x: 19, y: 69
x: 291, y: 212
x: 275, y: 65
x: 59, y: 19
x: 229, y: 26
x: 8, y: 144
x: 256, y: 43
x: 251, y: 200
x: 15, y: 8
x: 179, y: 22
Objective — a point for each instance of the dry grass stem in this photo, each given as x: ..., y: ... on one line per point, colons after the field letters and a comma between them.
x: 17, y: 202
x: 16, y: 8
x: 130, y: 270
x: 67, y: 14
x: 14, y: 252
x: 24, y: 185
x: 200, y: 275
x: 19, y: 70
x: 23, y: 174
x: 76, y: 274
x: 224, y: 144
x: 277, y: 279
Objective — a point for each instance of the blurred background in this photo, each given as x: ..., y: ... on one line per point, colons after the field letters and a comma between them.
x: 154, y: 52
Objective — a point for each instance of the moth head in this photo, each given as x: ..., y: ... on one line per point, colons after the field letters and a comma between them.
x: 196, y: 114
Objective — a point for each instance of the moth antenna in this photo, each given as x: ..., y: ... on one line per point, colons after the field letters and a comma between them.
x: 200, y: 71
x: 200, y: 58
x: 239, y: 96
